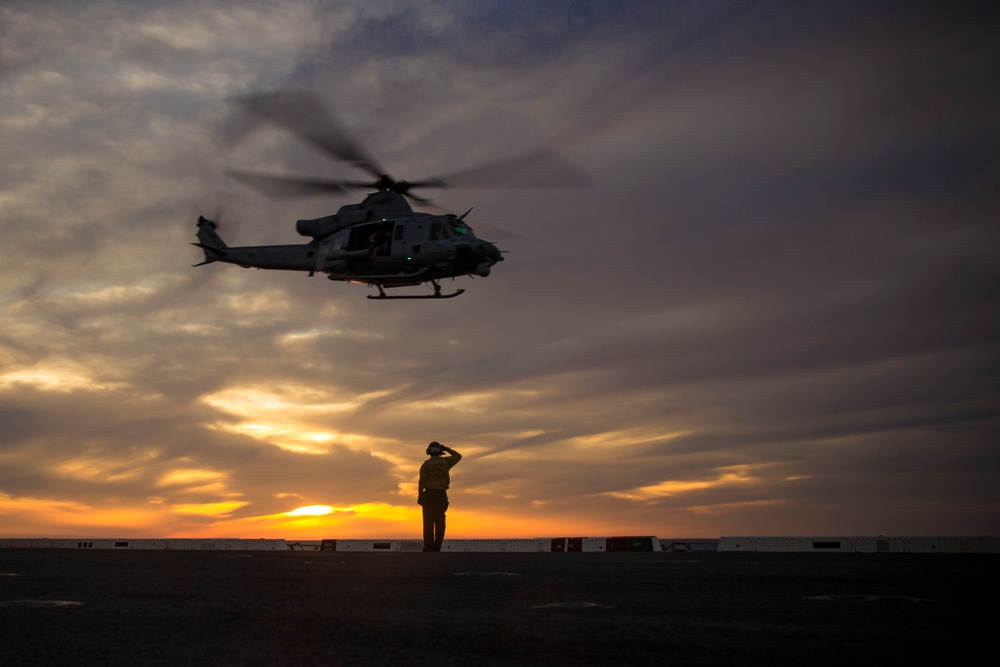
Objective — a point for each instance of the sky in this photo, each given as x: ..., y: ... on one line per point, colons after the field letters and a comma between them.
x: 774, y: 312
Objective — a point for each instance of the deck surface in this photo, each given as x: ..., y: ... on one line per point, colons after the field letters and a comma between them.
x: 333, y: 608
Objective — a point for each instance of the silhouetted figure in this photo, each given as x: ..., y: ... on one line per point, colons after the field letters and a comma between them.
x: 432, y: 492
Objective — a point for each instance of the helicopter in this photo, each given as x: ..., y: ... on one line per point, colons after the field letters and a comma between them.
x: 381, y: 241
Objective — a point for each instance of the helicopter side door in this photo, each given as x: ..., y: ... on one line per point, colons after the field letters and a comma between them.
x: 425, y: 240
x: 440, y: 245
x: 415, y: 234
x: 400, y: 241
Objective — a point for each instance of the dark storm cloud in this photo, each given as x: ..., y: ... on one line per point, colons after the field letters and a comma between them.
x: 507, y: 35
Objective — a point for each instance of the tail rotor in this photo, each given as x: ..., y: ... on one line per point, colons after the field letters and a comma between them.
x: 212, y: 212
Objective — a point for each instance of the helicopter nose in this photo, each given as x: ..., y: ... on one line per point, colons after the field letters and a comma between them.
x: 490, y: 255
x: 490, y: 252
x: 483, y: 253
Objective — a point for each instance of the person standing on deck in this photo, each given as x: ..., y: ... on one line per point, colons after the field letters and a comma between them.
x: 432, y: 492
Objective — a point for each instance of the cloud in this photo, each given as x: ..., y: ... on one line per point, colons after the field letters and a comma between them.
x: 775, y: 310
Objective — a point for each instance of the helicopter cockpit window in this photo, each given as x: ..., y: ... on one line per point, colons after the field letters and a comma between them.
x: 439, y: 231
x: 460, y: 228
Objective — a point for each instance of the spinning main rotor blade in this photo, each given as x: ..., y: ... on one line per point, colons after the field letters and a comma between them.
x: 544, y: 168
x: 304, y: 113
x: 281, y: 187
x: 278, y: 186
x: 539, y: 169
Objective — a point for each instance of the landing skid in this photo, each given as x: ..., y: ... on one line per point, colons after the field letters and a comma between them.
x: 437, y: 294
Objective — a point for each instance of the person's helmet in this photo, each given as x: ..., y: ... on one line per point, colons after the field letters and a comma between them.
x: 435, y: 449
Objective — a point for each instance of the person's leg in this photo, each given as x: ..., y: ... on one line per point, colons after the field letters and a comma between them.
x: 440, y: 521
x: 429, y: 519
x: 439, y: 530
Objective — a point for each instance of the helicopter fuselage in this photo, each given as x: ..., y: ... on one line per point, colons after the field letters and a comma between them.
x: 380, y: 241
